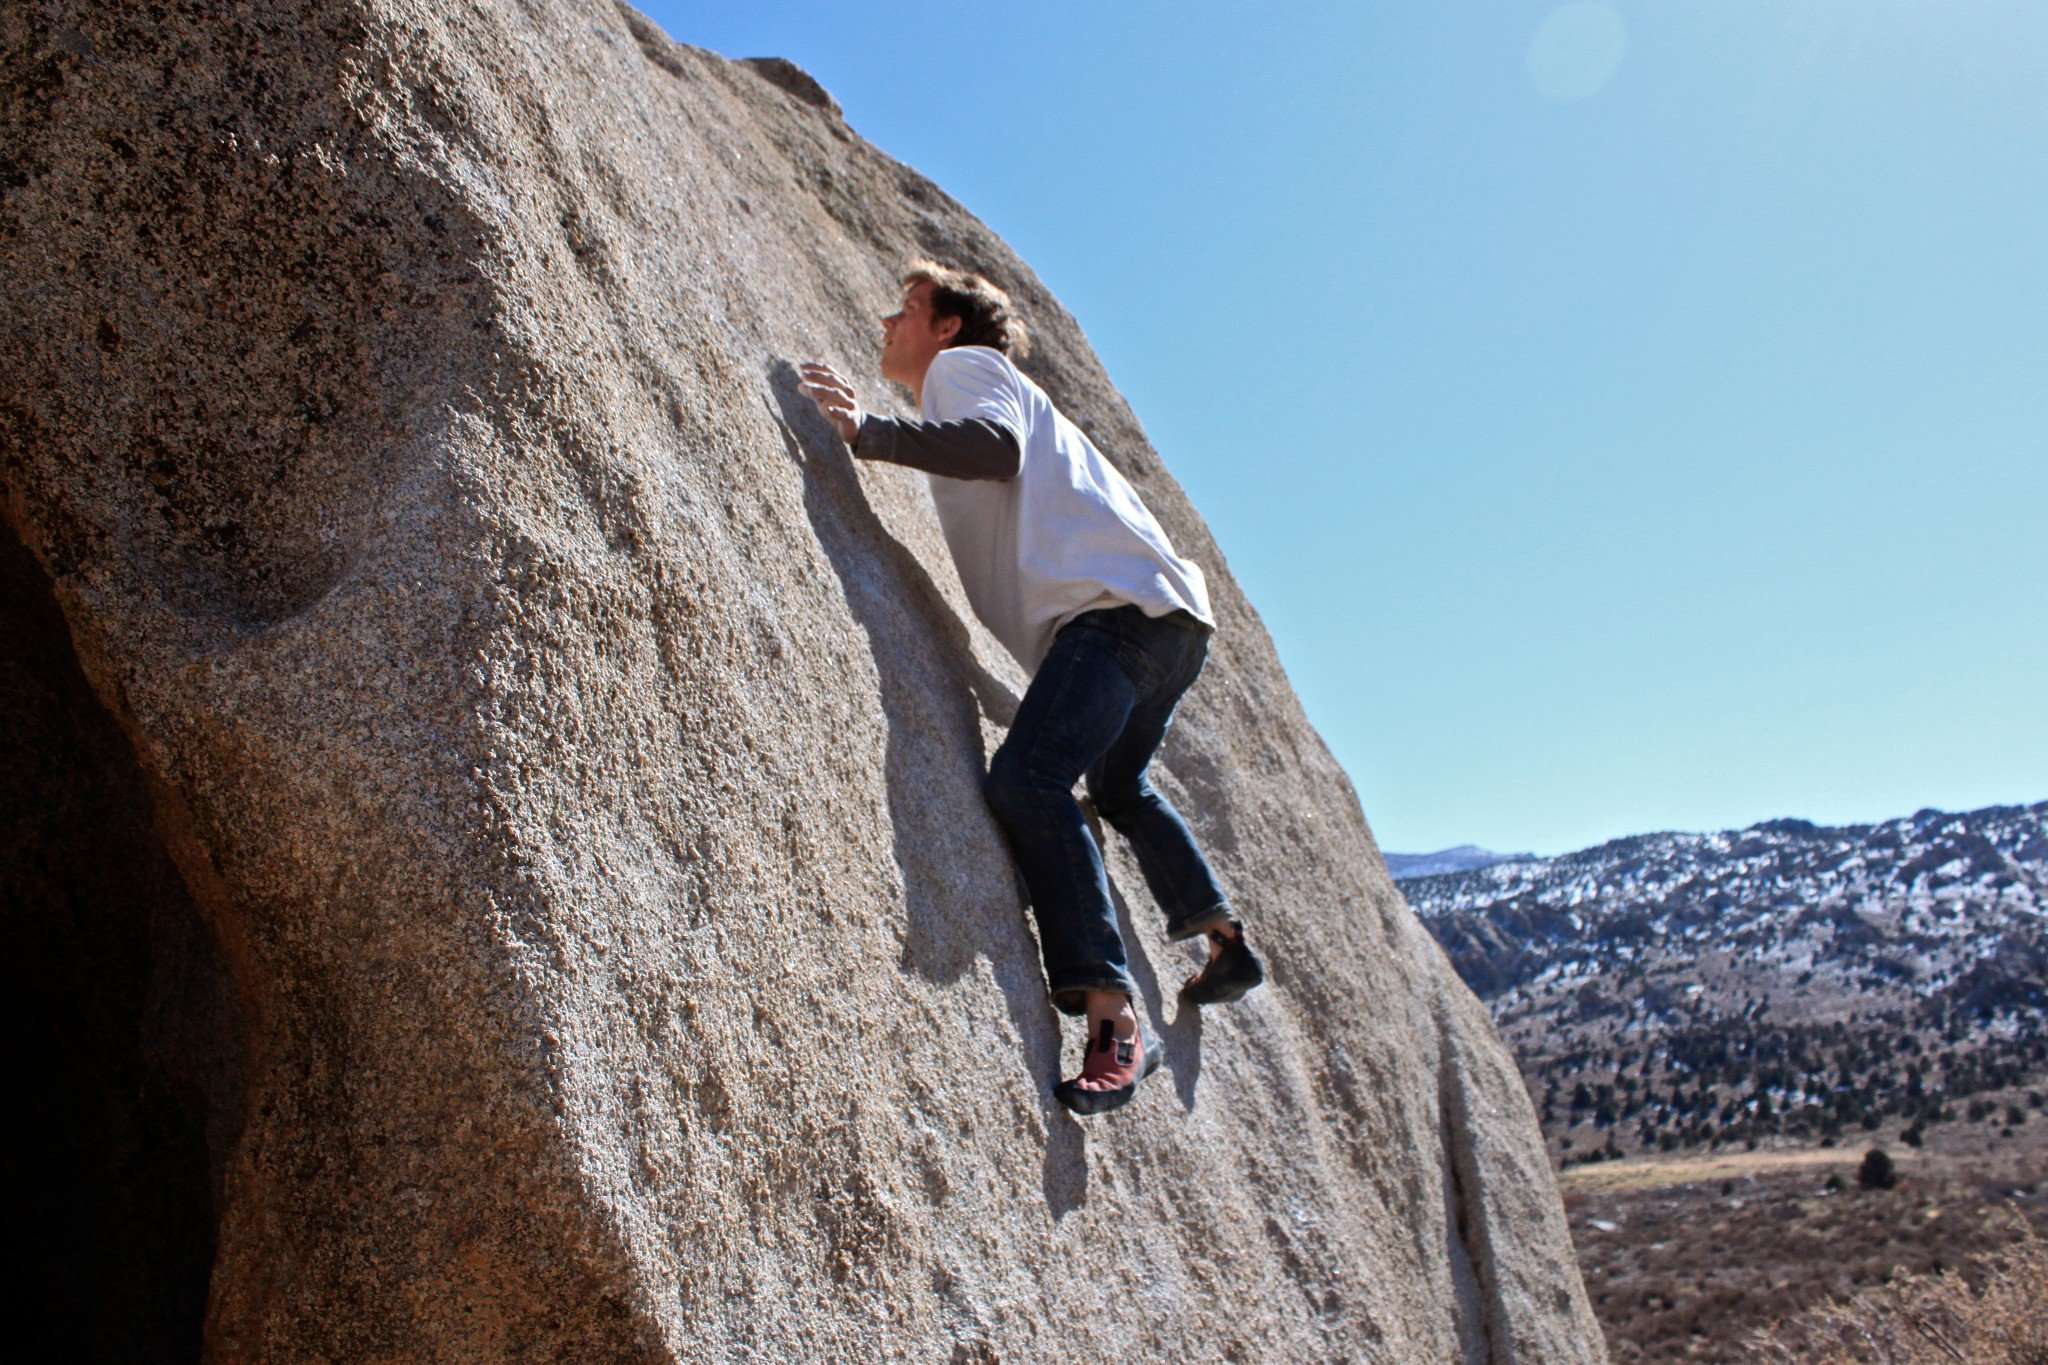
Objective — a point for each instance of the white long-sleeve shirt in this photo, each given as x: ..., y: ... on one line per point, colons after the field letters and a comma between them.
x: 1065, y: 534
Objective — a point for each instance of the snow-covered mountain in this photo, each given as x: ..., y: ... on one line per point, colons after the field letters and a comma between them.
x: 1463, y: 858
x: 1931, y: 905
x: 1663, y: 955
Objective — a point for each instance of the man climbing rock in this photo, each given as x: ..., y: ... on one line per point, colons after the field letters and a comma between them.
x: 1063, y: 563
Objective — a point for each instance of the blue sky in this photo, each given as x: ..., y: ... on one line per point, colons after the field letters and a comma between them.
x: 1624, y: 417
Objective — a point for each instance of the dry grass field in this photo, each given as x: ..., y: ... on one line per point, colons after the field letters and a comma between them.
x: 1650, y: 1173
x: 1688, y: 1257
x: 1999, y: 1316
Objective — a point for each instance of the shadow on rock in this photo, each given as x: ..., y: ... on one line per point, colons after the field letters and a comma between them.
x: 922, y: 650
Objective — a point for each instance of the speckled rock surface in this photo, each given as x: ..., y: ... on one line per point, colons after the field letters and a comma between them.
x: 575, y: 758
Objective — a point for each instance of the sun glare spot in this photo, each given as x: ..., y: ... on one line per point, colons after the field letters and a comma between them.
x: 1576, y: 50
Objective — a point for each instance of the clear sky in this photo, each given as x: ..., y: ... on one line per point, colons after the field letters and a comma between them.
x: 1624, y: 417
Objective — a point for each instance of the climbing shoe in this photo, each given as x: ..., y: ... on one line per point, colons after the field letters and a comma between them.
x: 1228, y: 975
x: 1112, y: 1070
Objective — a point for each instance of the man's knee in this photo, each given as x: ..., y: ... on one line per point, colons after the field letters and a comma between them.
x: 1009, y: 787
x: 1118, y: 802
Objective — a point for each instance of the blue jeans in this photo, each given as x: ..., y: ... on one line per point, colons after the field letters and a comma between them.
x: 1098, y: 708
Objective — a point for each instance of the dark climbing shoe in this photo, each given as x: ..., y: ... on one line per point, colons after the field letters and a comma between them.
x: 1228, y: 976
x: 1113, y: 1068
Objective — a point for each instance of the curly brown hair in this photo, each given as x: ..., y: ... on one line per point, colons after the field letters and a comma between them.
x: 987, y: 317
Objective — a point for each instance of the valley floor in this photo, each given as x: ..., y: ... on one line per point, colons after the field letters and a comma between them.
x: 1685, y: 1255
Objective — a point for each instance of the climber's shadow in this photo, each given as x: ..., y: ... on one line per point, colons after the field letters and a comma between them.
x: 921, y: 651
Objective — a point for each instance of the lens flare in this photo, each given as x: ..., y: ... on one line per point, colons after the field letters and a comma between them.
x: 1576, y: 51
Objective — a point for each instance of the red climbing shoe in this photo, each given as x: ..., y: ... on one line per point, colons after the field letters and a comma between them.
x: 1110, y: 1075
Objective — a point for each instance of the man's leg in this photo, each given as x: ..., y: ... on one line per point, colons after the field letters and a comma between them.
x: 1178, y: 875
x: 1076, y: 706
x: 1175, y: 870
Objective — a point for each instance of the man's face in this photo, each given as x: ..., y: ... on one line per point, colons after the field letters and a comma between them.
x: 911, y: 336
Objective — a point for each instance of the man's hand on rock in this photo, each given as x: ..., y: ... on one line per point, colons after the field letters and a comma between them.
x: 834, y: 397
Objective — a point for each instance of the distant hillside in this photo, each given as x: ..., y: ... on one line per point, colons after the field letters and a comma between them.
x: 1783, y: 979
x: 1463, y: 858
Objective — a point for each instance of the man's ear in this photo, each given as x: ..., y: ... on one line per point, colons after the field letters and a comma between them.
x: 946, y: 328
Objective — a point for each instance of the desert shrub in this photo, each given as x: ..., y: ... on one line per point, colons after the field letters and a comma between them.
x: 1924, y: 1319
x: 1877, y: 1171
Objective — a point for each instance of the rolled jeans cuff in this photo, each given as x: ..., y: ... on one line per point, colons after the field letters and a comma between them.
x: 1201, y: 922
x: 1068, y: 989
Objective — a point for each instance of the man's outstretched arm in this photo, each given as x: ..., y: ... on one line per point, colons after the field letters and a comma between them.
x: 969, y: 448
x: 972, y: 448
